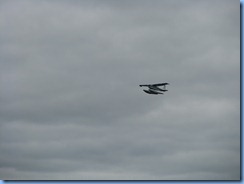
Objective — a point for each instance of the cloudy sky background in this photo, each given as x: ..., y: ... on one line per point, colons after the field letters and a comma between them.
x: 71, y: 106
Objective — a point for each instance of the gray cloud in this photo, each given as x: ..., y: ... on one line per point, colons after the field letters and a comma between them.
x: 71, y: 107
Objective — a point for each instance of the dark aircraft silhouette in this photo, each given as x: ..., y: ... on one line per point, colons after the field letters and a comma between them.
x: 154, y: 89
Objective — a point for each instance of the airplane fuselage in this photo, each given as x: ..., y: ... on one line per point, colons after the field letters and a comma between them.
x: 152, y: 92
x: 156, y: 88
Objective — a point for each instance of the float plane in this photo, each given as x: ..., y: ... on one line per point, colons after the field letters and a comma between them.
x: 154, y: 89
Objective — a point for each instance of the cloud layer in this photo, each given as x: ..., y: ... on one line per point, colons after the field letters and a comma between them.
x: 71, y: 106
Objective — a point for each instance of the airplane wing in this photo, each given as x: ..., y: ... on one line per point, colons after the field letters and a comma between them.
x: 160, y: 84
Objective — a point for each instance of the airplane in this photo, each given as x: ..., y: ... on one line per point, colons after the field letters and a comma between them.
x: 154, y: 89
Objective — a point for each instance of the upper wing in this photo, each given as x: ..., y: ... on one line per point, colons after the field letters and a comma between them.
x: 160, y: 84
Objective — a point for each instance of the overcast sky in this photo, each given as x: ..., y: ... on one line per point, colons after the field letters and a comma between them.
x: 71, y: 106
